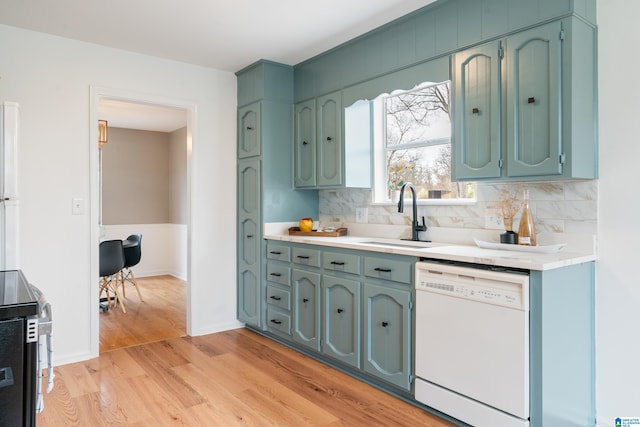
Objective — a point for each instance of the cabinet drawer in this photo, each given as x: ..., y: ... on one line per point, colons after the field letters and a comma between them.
x: 278, y: 252
x: 279, y: 273
x: 347, y: 263
x: 395, y: 270
x: 278, y: 320
x: 279, y: 297
x: 306, y: 256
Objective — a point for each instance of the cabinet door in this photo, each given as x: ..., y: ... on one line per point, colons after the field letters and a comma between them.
x: 533, y: 72
x: 387, y: 335
x: 305, y: 144
x: 341, y: 319
x: 477, y: 137
x: 306, y: 308
x: 330, y: 145
x: 249, y: 282
x: 249, y: 130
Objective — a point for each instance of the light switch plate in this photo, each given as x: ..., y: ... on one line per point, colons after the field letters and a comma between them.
x: 493, y: 219
x: 77, y: 207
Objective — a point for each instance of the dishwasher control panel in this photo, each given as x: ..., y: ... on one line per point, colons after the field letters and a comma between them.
x: 499, y: 288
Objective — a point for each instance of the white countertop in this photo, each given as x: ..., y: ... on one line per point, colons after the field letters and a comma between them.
x: 447, y: 251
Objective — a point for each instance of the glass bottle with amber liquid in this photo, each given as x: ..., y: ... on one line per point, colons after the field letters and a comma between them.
x: 527, y: 229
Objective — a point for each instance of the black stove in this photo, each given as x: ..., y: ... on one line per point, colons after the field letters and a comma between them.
x: 19, y: 311
x: 16, y: 296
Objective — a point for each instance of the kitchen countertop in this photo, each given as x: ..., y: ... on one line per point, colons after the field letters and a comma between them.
x: 447, y: 251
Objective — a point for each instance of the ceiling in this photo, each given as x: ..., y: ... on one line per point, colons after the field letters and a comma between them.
x: 222, y: 34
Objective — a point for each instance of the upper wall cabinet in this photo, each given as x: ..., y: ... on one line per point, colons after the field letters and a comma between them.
x: 439, y: 29
x: 476, y: 104
x: 330, y: 144
x: 249, y: 130
x: 305, y: 156
x: 525, y: 86
x: 322, y: 155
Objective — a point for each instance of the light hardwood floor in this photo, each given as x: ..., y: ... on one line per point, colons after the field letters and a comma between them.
x: 150, y: 374
x: 161, y: 314
x: 226, y: 379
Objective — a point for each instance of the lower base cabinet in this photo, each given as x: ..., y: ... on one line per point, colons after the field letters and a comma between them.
x: 306, y: 308
x: 387, y: 341
x: 352, y: 308
x: 341, y: 339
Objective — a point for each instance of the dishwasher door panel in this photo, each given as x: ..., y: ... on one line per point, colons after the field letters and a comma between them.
x: 477, y: 349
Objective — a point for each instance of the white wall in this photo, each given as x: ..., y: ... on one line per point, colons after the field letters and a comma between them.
x: 51, y: 77
x: 618, y: 280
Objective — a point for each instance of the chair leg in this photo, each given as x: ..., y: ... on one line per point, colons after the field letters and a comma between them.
x: 122, y: 279
x: 115, y: 290
x: 130, y: 277
x: 109, y: 284
x: 135, y: 284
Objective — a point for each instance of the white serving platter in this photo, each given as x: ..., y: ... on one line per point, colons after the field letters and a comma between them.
x: 547, y: 249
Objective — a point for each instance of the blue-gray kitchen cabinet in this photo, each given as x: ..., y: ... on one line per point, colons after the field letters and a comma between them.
x: 476, y: 105
x: 341, y: 318
x: 249, y: 128
x: 249, y: 242
x: 349, y: 308
x: 278, y: 289
x: 305, y: 145
x: 533, y: 94
x: 306, y: 308
x: 323, y: 158
x: 265, y: 190
x: 387, y: 333
x: 329, y: 143
x: 524, y: 106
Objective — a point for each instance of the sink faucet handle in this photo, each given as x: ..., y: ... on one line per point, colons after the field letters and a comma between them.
x: 422, y: 227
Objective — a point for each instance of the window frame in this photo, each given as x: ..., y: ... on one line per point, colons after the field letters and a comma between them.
x: 380, y: 149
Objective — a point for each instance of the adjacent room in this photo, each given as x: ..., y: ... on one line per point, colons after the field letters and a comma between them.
x: 143, y: 192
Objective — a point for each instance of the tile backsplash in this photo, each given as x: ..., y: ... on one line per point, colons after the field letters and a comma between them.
x: 558, y: 207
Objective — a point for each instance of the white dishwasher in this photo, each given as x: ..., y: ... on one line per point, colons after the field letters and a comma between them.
x: 472, y: 343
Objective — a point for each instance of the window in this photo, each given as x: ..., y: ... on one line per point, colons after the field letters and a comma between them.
x: 413, y: 144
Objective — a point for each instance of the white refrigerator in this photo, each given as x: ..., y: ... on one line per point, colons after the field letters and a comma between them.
x: 9, y: 202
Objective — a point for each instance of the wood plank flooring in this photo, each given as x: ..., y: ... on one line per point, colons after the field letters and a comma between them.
x: 150, y: 374
x: 161, y: 314
x: 233, y: 378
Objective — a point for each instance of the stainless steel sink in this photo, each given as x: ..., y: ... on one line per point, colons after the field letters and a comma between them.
x: 402, y: 244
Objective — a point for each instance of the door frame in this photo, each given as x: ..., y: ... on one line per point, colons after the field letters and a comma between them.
x: 96, y: 95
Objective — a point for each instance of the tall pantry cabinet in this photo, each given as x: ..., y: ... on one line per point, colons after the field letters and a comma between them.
x: 265, y: 187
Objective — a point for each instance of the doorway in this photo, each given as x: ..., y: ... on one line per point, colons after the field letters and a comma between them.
x: 130, y: 112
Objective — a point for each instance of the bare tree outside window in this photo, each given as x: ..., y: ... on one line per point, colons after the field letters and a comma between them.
x: 418, y: 143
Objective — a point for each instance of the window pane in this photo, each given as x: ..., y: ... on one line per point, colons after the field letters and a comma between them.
x: 418, y: 144
x: 419, y: 116
x: 429, y: 170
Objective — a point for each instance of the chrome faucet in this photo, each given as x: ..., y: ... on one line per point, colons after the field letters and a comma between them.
x: 415, y: 227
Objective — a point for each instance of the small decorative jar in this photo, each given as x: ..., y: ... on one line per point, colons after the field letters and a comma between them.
x: 509, y: 236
